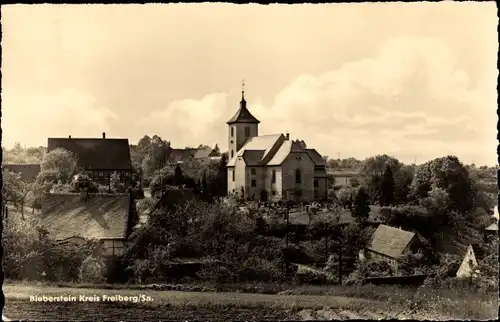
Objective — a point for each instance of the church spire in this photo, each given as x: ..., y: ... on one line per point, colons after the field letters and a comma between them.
x: 243, y: 92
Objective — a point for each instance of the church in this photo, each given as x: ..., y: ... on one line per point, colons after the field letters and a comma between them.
x: 271, y: 167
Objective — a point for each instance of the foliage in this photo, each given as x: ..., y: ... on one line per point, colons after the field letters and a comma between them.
x: 157, y: 153
x: 372, y: 173
x: 92, y: 270
x: 162, y: 178
x: 83, y: 183
x: 61, y: 163
x: 28, y: 251
x: 449, y: 174
x: 14, y: 190
x: 387, y: 188
x: 115, y: 183
x: 19, y: 155
x: 361, y: 207
x: 345, y: 196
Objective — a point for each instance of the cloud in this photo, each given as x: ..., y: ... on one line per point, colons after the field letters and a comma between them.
x: 52, y: 114
x: 409, y: 99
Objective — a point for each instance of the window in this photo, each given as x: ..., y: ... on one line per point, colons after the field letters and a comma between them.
x: 252, y: 171
x: 232, y: 153
x: 273, y: 193
x: 297, y: 176
x: 273, y: 177
x: 316, y: 182
x: 247, y: 131
x: 232, y: 131
x: 232, y: 172
x: 254, y: 183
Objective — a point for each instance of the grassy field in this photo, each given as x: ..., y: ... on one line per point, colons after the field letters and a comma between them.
x: 361, y: 303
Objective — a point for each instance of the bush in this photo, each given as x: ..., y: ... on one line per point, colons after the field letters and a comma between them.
x: 92, y: 270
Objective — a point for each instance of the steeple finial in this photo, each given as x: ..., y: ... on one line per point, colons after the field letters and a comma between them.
x: 242, y: 89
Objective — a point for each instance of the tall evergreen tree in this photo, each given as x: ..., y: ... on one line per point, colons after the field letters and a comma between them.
x: 361, y: 209
x: 387, y: 188
x: 222, y: 177
x: 178, y: 176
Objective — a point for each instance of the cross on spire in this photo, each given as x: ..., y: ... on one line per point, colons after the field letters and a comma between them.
x: 242, y: 86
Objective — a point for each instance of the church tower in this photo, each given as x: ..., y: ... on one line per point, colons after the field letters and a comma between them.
x: 242, y: 126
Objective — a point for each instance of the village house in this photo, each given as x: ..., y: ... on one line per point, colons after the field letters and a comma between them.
x: 28, y: 172
x: 98, y: 157
x: 271, y: 167
x: 344, y: 177
x: 77, y: 218
x: 203, y: 155
x: 469, y: 264
x: 389, y: 244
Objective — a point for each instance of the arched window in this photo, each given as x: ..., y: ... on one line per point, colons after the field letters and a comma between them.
x: 297, y: 176
x: 273, y: 178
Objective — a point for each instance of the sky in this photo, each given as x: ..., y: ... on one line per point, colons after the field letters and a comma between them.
x: 413, y: 80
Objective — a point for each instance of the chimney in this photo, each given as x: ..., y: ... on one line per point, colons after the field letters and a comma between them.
x: 287, y: 136
x: 103, y: 135
x: 70, y: 136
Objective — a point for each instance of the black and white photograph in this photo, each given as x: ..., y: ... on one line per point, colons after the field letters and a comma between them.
x: 250, y: 162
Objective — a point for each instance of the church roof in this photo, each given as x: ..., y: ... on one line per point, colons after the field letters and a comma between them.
x: 263, y: 143
x: 243, y: 115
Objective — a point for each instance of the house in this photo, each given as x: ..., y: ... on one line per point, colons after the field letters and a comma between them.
x: 98, y: 157
x: 343, y: 177
x: 469, y: 264
x: 203, y: 155
x: 28, y: 172
x: 77, y: 218
x: 389, y: 244
x: 271, y: 167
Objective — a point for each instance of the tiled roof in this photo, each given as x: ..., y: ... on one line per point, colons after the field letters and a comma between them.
x: 203, y: 153
x: 253, y: 157
x: 243, y: 115
x: 28, y: 172
x: 263, y: 142
x: 281, y: 154
x: 492, y: 227
x: 182, y: 154
x: 96, y: 154
x: 93, y: 216
x: 316, y: 157
x: 390, y: 241
x: 320, y: 173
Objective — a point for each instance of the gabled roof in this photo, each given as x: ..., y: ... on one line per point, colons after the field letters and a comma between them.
x: 96, y: 154
x: 202, y: 153
x: 259, y: 143
x: 183, y: 154
x: 28, y: 172
x: 253, y: 157
x: 281, y: 154
x: 316, y: 157
x: 390, y: 241
x: 93, y: 216
x: 492, y: 227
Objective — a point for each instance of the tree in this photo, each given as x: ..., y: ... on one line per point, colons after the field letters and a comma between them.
x: 157, y: 154
x: 115, y: 183
x: 387, y: 188
x: 14, y: 190
x: 361, y: 208
x: 83, y: 183
x: 372, y: 173
x: 216, y: 149
x: 178, y: 176
x: 222, y: 177
x: 144, y: 143
x: 161, y: 180
x: 449, y: 174
x: 60, y: 162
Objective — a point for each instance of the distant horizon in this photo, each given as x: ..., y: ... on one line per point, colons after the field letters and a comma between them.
x: 225, y: 151
x: 411, y: 80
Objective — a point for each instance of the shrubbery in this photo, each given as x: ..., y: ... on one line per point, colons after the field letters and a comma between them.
x: 29, y: 253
